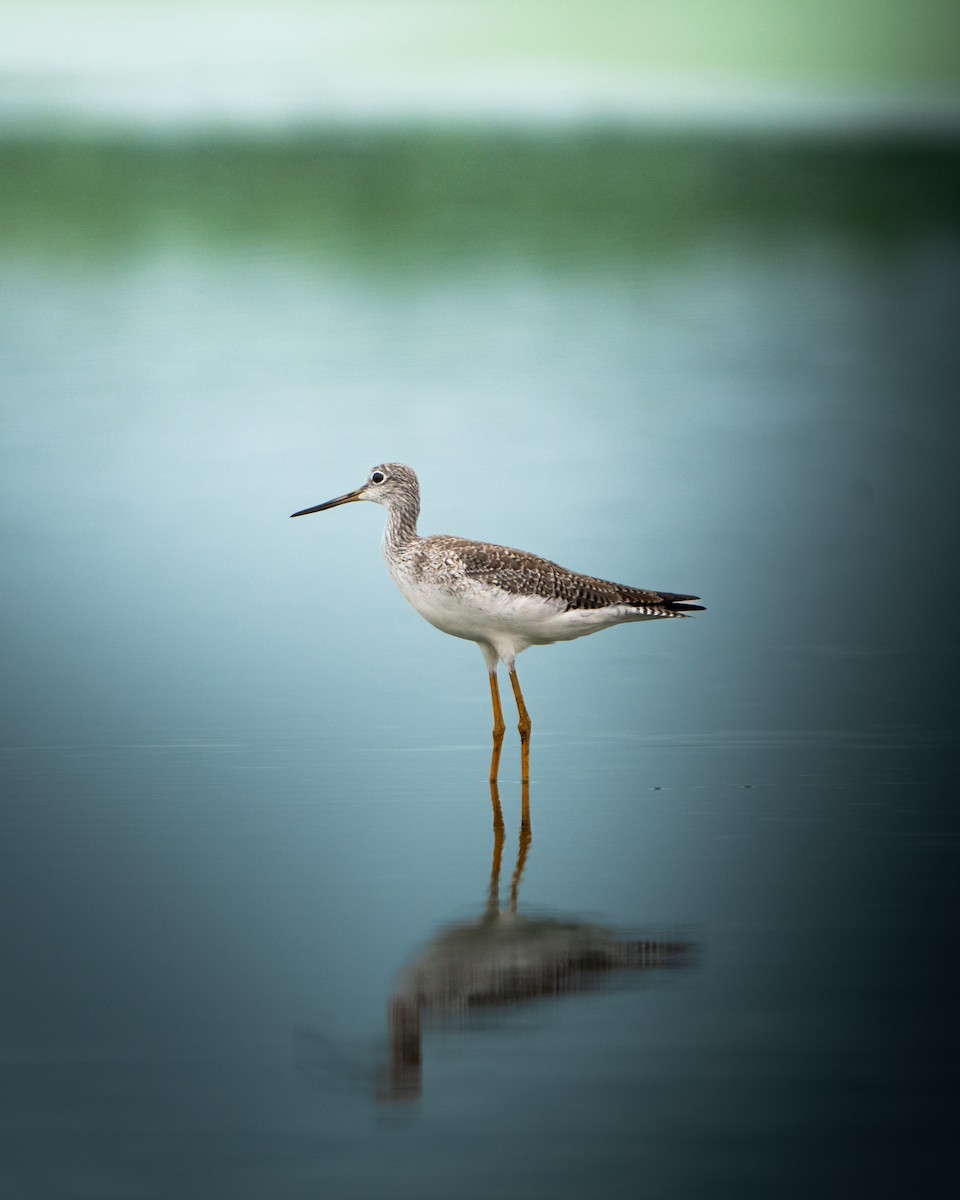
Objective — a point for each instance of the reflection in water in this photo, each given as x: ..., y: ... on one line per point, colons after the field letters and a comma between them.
x: 504, y: 959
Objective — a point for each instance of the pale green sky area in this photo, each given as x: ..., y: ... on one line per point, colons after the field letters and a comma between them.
x: 287, y: 59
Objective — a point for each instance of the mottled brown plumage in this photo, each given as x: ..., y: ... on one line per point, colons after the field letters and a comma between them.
x: 521, y: 573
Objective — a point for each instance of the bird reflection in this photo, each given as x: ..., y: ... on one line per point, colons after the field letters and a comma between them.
x: 503, y: 959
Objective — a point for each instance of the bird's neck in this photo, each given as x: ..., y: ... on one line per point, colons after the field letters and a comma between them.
x: 401, y: 527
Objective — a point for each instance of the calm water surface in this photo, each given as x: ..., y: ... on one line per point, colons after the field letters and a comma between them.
x: 245, y: 814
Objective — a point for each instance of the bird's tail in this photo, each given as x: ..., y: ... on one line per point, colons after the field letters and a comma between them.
x: 679, y: 604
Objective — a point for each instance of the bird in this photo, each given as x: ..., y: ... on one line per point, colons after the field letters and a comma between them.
x: 505, y: 600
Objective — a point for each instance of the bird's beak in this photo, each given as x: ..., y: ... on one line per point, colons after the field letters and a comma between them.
x: 347, y: 499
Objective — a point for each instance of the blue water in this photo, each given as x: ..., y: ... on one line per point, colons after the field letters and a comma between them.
x: 244, y: 785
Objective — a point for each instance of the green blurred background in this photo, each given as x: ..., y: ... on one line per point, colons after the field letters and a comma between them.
x: 399, y: 136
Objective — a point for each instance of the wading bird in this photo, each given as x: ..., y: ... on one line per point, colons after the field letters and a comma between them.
x: 504, y: 600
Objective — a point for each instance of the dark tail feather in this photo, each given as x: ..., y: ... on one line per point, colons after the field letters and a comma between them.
x: 677, y: 602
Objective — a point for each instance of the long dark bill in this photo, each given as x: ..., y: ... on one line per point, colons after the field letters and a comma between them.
x: 350, y: 496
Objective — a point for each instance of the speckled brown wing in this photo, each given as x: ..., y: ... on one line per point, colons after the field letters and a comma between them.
x: 520, y: 573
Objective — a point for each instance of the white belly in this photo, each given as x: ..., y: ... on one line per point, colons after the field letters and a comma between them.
x: 506, y: 621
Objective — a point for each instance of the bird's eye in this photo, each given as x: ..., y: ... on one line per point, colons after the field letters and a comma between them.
x: 377, y: 477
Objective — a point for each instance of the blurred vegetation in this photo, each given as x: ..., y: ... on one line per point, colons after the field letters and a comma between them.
x: 420, y: 198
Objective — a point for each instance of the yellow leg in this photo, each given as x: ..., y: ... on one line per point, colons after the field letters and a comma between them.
x: 498, y: 727
x: 524, y: 727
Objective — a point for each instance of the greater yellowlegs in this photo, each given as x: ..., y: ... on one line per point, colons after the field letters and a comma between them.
x: 504, y: 600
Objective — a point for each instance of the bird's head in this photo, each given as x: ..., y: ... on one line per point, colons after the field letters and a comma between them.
x: 390, y: 484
